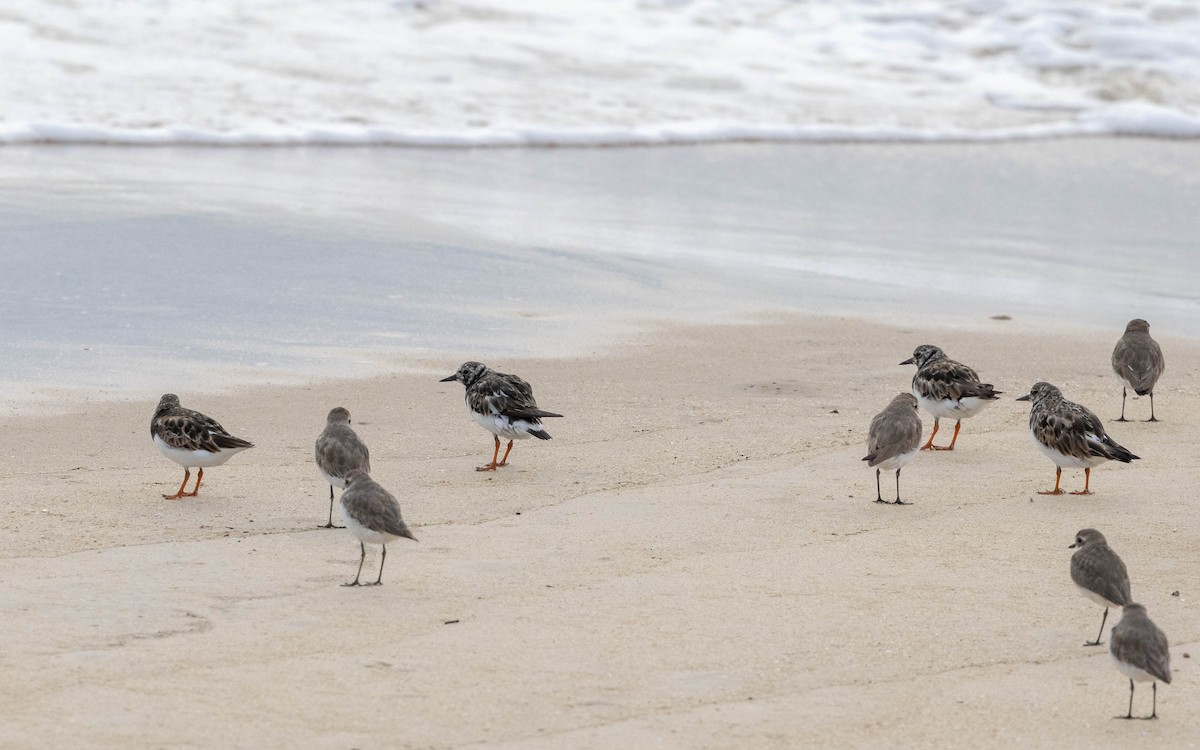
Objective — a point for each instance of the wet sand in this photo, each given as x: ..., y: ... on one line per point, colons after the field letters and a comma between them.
x: 694, y: 561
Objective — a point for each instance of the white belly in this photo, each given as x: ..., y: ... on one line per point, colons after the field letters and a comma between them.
x: 895, y: 462
x: 951, y: 409
x: 362, y: 533
x: 190, y: 459
x: 1064, y: 461
x: 502, y: 427
x: 339, y: 482
x: 1134, y: 673
x: 1093, y: 596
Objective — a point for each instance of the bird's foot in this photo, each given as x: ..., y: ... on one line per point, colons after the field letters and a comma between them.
x: 943, y: 447
x: 1083, y: 492
x: 928, y: 446
x: 898, y: 501
x: 352, y: 583
x: 1153, y: 419
x: 488, y: 467
x: 377, y: 583
x: 881, y: 500
x: 1122, y: 419
x: 1124, y: 717
x: 1052, y: 492
x: 176, y: 496
x: 1093, y: 643
x: 331, y: 526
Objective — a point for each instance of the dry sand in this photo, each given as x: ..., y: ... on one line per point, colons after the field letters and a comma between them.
x: 694, y: 561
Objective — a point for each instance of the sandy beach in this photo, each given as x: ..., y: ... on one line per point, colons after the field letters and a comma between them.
x: 694, y: 561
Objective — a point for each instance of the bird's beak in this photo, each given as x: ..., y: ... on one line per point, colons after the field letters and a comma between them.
x: 1073, y: 546
x: 908, y: 361
x: 447, y: 380
x: 1023, y: 398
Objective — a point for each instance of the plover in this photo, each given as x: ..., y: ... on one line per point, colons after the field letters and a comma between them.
x: 1099, y: 574
x: 338, y: 451
x: 501, y: 404
x: 1141, y: 652
x: 894, y: 440
x: 191, y: 439
x: 1069, y: 435
x: 946, y: 388
x: 1138, y: 362
x: 373, y: 516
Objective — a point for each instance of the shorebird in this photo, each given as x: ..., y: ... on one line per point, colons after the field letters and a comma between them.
x: 191, y: 439
x: 338, y: 451
x: 501, y: 404
x: 1070, y: 435
x: 894, y: 440
x: 1138, y: 362
x: 1099, y: 574
x: 373, y: 516
x: 1141, y: 652
x: 946, y: 388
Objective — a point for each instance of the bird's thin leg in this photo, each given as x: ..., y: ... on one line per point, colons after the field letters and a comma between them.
x: 1087, y: 478
x: 330, y: 524
x: 362, y: 557
x: 382, y: 560
x: 1154, y: 705
x: 199, y: 479
x: 1129, y: 715
x: 1057, y: 479
x: 504, y: 461
x: 929, y: 445
x: 1152, y: 418
x: 187, y: 473
x: 953, y: 440
x: 1102, y: 621
x: 495, y: 453
x: 878, y: 492
x: 1124, y: 393
x: 898, y: 500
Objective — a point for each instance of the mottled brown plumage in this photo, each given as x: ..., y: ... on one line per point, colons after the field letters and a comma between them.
x: 1138, y: 362
x: 1070, y: 435
x: 946, y: 388
x: 339, y: 451
x: 1099, y: 573
x: 191, y: 439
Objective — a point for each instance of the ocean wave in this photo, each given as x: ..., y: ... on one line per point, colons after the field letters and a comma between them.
x: 468, y: 73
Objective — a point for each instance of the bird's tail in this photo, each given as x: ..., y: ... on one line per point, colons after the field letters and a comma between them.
x: 540, y: 434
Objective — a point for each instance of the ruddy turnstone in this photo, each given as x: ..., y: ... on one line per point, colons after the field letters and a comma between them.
x: 338, y: 451
x: 894, y: 440
x: 501, y: 404
x: 1099, y: 574
x: 1069, y: 435
x: 1138, y: 362
x: 946, y: 388
x: 191, y: 439
x: 1141, y: 652
x: 373, y: 516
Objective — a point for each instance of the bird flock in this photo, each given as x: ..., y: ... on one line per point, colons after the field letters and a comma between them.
x: 1071, y: 436
x: 503, y: 404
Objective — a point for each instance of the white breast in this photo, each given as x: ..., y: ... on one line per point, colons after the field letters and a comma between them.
x: 895, y: 462
x: 1134, y: 673
x: 951, y: 409
x: 1093, y: 596
x: 1064, y: 461
x: 339, y: 482
x: 362, y: 533
x: 501, y: 426
x: 190, y: 459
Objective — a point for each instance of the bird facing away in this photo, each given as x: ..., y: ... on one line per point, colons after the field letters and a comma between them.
x: 1070, y: 435
x: 501, y: 404
x: 946, y: 388
x: 1141, y: 652
x: 373, y: 516
x: 894, y: 440
x: 1099, y: 574
x: 1138, y: 362
x: 191, y: 439
x: 338, y: 451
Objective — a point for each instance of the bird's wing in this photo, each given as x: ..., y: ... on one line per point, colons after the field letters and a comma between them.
x: 892, y: 434
x: 947, y: 379
x: 1098, y: 569
x: 340, y: 452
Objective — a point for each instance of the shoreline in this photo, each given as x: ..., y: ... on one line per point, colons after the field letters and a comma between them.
x: 694, y: 559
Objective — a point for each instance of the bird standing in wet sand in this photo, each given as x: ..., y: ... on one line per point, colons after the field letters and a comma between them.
x: 1141, y: 652
x: 191, y: 439
x: 339, y: 451
x: 373, y: 516
x: 1099, y: 574
x: 946, y: 388
x: 1138, y: 362
x: 503, y: 405
x: 1070, y: 435
x: 894, y: 440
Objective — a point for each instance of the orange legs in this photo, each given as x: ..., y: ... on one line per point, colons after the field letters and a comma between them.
x: 1057, y: 479
x: 496, y: 454
x: 187, y: 473
x: 929, y: 446
x: 1087, y: 477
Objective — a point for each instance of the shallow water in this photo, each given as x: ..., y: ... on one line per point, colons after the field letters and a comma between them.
x: 128, y: 270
